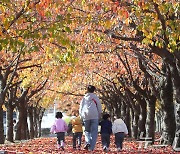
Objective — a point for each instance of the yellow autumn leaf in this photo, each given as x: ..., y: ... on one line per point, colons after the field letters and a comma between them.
x: 51, y: 39
x: 1, y: 32
x: 127, y: 21
x: 173, y: 43
x: 21, y: 39
x: 169, y: 46
x: 149, y: 36
x: 89, y: 17
x: 2, y: 9
x: 47, y: 49
x: 108, y: 24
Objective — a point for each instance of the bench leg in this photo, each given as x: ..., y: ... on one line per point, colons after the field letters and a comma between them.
x: 140, y: 145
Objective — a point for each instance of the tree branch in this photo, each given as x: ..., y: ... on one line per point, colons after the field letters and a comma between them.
x: 161, y: 18
x: 66, y: 93
x: 112, y: 35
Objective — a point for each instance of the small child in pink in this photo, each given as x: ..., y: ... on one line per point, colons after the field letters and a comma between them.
x: 59, y: 127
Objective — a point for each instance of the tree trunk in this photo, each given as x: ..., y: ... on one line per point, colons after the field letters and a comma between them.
x: 36, y: 122
x: 128, y: 120
x: 23, y: 120
x: 2, y: 98
x: 150, y: 121
x: 166, y: 96
x: 123, y: 110
x: 24, y: 130
x: 18, y: 125
x: 21, y: 133
x: 40, y: 115
x: 39, y: 128
x: 132, y: 118
x: 31, y: 120
x: 142, y: 117
x: 117, y: 107
x: 135, y: 126
x: 9, y: 120
x: 175, y: 75
x: 27, y: 131
x: 1, y: 126
x: 159, y: 121
x: 176, y: 142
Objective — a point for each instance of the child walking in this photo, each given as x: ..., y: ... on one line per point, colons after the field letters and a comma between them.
x: 106, y: 131
x: 119, y: 128
x: 59, y: 127
x: 76, y: 130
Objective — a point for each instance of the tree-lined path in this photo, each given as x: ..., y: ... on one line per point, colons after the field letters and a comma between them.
x: 129, y: 49
x: 48, y: 145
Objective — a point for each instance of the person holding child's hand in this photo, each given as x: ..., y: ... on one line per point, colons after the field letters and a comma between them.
x: 90, y: 111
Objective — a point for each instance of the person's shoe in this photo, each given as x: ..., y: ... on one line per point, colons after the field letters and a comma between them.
x: 79, y: 147
x: 74, y: 148
x: 105, y: 149
x: 86, y: 147
x: 90, y: 150
x: 118, y: 149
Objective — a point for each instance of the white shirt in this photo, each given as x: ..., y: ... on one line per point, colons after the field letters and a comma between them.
x: 90, y: 107
x: 119, y: 126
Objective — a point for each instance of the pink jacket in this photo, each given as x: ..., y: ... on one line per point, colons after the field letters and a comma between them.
x: 59, y: 126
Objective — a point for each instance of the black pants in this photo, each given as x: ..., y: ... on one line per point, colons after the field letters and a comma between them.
x: 77, y: 137
x: 60, y: 138
x: 105, y: 138
x: 119, y: 138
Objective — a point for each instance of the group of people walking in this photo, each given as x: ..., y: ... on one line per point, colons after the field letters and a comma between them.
x: 90, y: 111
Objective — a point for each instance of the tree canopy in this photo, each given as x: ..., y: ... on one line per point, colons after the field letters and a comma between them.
x: 50, y: 50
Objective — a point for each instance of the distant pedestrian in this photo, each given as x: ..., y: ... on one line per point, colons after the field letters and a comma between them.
x: 90, y: 111
x: 14, y: 128
x: 77, y: 130
x: 119, y: 129
x: 59, y: 127
x: 14, y: 124
x: 106, y: 131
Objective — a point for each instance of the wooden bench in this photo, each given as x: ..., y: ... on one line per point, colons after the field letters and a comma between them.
x: 161, y: 142
x: 176, y: 146
x: 144, y: 141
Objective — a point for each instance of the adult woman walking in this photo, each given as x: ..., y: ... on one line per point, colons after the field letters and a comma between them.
x: 90, y: 111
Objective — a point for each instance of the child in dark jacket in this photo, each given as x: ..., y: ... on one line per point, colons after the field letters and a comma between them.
x: 106, y: 131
